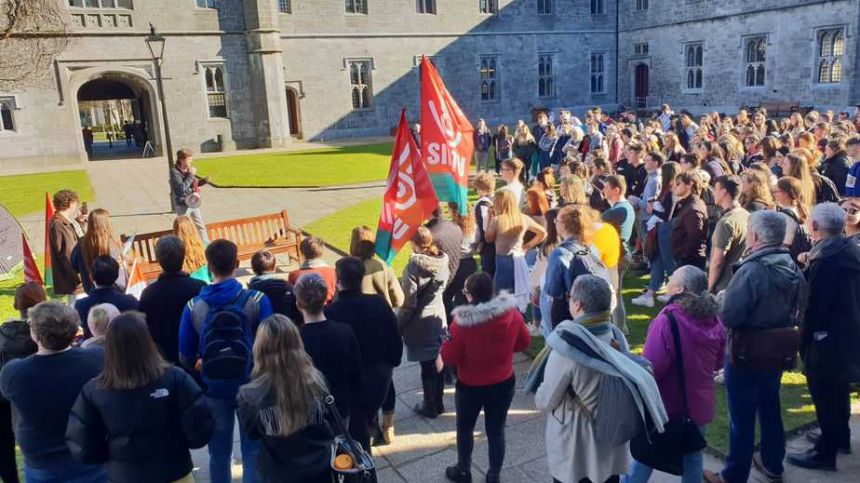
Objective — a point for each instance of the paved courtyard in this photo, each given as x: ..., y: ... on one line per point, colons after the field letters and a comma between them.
x: 136, y: 193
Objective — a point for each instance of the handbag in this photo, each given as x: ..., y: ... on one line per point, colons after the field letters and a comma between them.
x: 765, y: 350
x: 665, y: 451
x: 363, y: 468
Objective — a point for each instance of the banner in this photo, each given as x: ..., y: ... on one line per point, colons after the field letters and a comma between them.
x: 31, y: 270
x: 409, y: 197
x: 49, y: 214
x: 136, y: 283
x: 447, y: 145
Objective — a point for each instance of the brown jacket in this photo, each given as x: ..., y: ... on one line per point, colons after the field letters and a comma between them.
x: 690, y: 232
x: 379, y: 279
x: 63, y: 238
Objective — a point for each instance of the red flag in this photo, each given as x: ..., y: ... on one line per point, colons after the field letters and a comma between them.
x: 49, y: 214
x: 31, y: 270
x: 447, y: 145
x: 409, y: 197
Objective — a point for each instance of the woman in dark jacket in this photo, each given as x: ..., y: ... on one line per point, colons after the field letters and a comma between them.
x: 836, y: 165
x: 689, y: 222
x: 485, y: 372
x: 141, y: 415
x: 284, y: 405
x: 422, y: 319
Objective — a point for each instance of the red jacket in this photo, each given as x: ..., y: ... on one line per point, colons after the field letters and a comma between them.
x: 483, y: 340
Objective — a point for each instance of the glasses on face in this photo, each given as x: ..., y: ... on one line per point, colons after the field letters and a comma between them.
x: 851, y: 210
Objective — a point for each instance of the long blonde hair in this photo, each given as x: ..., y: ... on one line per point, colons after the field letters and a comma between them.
x: 507, y: 212
x: 573, y: 190
x: 99, y: 239
x: 284, y: 369
x: 195, y: 252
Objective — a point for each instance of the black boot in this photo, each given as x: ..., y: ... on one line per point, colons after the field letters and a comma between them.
x: 812, y: 460
x: 438, y: 396
x: 427, y: 407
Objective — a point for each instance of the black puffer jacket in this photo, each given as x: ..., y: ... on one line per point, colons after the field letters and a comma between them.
x: 831, y: 322
x: 280, y: 294
x: 144, y: 434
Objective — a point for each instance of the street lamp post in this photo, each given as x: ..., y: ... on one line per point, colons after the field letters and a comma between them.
x: 155, y: 42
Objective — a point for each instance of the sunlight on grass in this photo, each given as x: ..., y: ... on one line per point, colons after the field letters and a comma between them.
x: 25, y: 194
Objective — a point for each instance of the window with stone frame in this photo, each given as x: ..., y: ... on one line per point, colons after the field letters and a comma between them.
x: 640, y: 48
x: 693, y: 54
x: 216, y: 92
x: 641, y: 4
x: 285, y: 6
x: 489, y: 73
x: 544, y: 7
x: 488, y: 7
x: 356, y: 6
x: 598, y: 73
x: 360, y: 83
x: 755, y: 50
x: 546, y: 75
x: 203, y: 3
x: 126, y: 4
x: 7, y: 116
x: 597, y: 7
x: 425, y: 6
x: 830, y: 49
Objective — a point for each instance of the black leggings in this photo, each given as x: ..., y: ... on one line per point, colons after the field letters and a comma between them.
x: 495, y: 400
x: 8, y: 468
x: 612, y: 479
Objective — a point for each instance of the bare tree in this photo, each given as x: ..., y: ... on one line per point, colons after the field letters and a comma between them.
x: 32, y: 34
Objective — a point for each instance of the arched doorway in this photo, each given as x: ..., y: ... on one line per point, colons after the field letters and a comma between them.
x: 640, y: 88
x: 294, y: 112
x: 115, y: 112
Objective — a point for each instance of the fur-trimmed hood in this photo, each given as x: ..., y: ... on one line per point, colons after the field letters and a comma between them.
x: 474, y: 315
x: 431, y: 266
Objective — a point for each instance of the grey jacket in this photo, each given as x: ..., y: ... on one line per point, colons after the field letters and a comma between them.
x: 422, y: 320
x: 180, y: 187
x: 767, y: 291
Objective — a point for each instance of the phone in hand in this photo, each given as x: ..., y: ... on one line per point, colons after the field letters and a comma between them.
x: 84, y: 208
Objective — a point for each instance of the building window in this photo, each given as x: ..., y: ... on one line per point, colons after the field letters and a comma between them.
x: 489, y: 7
x: 216, y: 95
x: 831, y: 47
x: 544, y: 7
x: 356, y: 6
x: 102, y: 3
x: 754, y: 57
x: 693, y: 66
x: 285, y: 6
x: 201, y: 3
x: 425, y: 6
x: 597, y: 7
x: 598, y: 74
x: 360, y: 86
x: 641, y: 4
x: 489, y: 78
x: 640, y: 48
x: 7, y: 120
x: 546, y: 78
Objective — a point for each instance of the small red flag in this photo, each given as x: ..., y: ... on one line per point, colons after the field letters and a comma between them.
x: 409, y: 197
x: 31, y: 270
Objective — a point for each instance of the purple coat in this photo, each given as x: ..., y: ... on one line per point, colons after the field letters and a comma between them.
x: 703, y: 343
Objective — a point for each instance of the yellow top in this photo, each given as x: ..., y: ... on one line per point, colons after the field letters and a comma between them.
x: 608, y: 244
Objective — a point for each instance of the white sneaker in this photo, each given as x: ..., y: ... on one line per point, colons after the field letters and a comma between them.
x: 644, y: 300
x: 720, y: 377
x: 663, y: 298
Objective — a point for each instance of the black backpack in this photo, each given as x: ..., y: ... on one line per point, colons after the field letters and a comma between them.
x: 584, y: 263
x: 15, y: 341
x: 225, y: 352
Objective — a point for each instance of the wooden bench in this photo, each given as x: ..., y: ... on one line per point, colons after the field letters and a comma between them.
x: 779, y: 109
x: 271, y: 232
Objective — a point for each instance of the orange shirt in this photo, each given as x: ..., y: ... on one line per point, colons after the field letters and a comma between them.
x: 327, y: 274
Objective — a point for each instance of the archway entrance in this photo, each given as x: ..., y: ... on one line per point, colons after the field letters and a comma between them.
x: 640, y: 88
x: 116, y: 117
x: 294, y: 112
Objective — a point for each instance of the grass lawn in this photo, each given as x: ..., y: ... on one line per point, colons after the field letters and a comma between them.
x: 797, y: 408
x: 317, y: 167
x: 7, y: 296
x: 25, y: 194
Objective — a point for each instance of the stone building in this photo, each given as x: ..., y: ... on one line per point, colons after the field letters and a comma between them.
x: 260, y: 73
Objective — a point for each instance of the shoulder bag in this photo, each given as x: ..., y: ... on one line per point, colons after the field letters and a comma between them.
x: 665, y: 451
x: 362, y: 468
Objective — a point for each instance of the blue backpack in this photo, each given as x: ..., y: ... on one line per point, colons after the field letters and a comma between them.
x: 225, y: 348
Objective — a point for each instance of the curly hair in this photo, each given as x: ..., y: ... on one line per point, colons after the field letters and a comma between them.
x: 63, y: 199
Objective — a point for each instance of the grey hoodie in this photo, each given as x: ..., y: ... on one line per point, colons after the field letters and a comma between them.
x: 422, y: 320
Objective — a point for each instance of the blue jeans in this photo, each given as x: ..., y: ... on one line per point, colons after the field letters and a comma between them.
x: 77, y: 473
x: 664, y: 264
x: 694, y: 467
x: 504, y: 276
x: 750, y: 394
x: 221, y: 444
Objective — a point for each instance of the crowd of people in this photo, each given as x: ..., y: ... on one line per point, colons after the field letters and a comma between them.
x: 748, y: 226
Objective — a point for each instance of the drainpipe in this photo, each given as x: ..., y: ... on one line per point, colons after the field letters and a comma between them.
x: 617, y: 61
